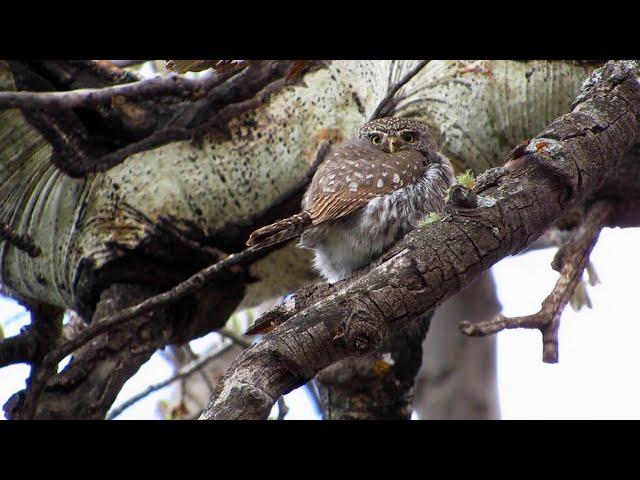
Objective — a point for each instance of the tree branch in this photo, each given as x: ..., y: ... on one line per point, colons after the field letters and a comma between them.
x: 21, y: 241
x: 175, y: 85
x: 387, y: 103
x: 183, y: 372
x: 189, y: 286
x: 560, y: 168
x: 18, y: 349
x: 571, y: 261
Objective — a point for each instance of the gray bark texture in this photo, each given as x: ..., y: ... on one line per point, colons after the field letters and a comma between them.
x: 570, y: 162
x: 143, y: 185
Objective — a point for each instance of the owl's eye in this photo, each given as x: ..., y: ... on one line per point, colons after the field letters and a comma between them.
x: 375, y: 139
x: 409, y: 137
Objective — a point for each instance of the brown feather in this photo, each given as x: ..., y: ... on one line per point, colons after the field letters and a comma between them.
x: 354, y: 173
x: 279, y: 231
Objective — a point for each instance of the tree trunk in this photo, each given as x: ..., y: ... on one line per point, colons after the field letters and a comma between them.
x: 458, y: 376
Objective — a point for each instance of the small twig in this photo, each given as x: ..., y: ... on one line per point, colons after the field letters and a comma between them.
x: 171, y: 84
x: 571, y: 260
x: 21, y: 241
x: 99, y: 326
x: 182, y: 373
x: 383, y: 107
x: 282, y: 409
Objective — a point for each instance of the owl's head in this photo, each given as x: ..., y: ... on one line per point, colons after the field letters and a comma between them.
x: 393, y: 134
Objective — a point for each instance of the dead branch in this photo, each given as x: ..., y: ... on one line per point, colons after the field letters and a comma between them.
x: 562, y: 167
x: 180, y: 291
x: 21, y: 241
x: 386, y: 104
x: 175, y: 85
x: 18, y: 349
x: 182, y: 373
x: 127, y: 63
x: 189, y: 286
x: 571, y: 261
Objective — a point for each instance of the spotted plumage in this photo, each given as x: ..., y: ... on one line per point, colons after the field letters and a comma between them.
x: 366, y: 194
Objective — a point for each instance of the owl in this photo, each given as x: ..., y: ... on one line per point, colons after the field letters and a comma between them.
x: 367, y: 194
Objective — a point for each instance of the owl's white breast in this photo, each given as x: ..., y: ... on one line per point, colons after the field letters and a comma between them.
x: 352, y: 242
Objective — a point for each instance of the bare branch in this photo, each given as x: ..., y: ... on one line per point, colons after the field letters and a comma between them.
x: 18, y: 349
x: 564, y: 166
x: 172, y: 84
x: 35, y: 340
x: 127, y: 63
x: 571, y: 260
x: 386, y: 104
x: 191, y: 285
x: 21, y: 241
x: 182, y: 373
x: 187, y: 287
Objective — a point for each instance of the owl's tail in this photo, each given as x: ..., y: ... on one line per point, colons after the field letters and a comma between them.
x: 280, y: 231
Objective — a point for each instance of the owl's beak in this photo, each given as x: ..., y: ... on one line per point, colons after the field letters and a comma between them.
x: 392, y: 145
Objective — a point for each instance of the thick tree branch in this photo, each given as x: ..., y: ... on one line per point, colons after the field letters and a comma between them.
x: 173, y: 84
x: 180, y: 291
x: 571, y: 261
x: 18, y: 349
x: 86, y: 388
x: 563, y: 166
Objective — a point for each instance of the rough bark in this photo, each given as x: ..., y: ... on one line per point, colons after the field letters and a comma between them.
x: 187, y: 181
x: 377, y: 386
x: 564, y: 166
x: 88, y: 386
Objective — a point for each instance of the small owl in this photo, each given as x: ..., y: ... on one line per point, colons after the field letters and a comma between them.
x: 368, y: 193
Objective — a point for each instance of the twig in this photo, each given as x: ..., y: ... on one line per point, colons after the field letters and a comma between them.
x: 99, y: 326
x: 571, y: 260
x: 384, y: 106
x: 182, y: 373
x: 21, y: 241
x: 171, y: 84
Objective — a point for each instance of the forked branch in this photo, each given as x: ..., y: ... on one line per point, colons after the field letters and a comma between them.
x: 571, y: 261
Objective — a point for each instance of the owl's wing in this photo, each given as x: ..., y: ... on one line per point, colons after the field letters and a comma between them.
x: 354, y: 174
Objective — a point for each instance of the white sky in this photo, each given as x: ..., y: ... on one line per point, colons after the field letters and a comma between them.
x: 595, y: 379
